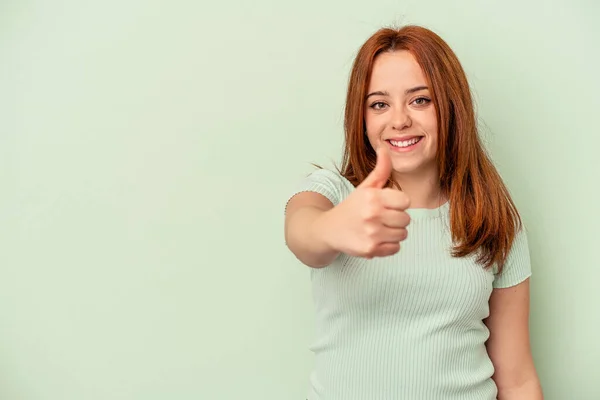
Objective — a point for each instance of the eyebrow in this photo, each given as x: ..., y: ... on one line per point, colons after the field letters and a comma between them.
x: 408, y: 91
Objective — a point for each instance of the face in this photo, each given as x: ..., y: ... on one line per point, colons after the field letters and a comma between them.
x: 399, y: 113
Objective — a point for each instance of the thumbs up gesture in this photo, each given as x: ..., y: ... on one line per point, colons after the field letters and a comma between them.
x: 372, y: 221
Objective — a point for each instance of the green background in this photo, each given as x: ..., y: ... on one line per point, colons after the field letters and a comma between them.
x: 147, y: 149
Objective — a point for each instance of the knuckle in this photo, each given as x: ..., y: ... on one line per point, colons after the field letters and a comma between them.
x: 371, y: 211
x: 404, y: 200
x: 375, y: 197
x: 369, y: 250
x: 370, y: 232
x: 371, y: 195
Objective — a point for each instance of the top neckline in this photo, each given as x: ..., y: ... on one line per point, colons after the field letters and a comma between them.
x: 428, y: 213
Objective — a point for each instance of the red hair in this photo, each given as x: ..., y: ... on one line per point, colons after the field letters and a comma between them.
x: 484, y: 219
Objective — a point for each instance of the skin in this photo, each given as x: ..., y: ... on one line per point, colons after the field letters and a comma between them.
x: 509, y: 345
x: 399, y: 105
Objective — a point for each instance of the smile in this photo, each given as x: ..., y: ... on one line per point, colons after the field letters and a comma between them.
x: 405, y: 144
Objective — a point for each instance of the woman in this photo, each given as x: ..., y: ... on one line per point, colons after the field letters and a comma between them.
x: 420, y: 265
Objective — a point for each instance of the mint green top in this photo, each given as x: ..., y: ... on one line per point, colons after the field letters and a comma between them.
x: 408, y: 326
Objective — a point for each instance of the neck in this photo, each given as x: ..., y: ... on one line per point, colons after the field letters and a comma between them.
x: 424, y: 191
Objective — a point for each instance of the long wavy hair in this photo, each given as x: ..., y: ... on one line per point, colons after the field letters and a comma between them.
x: 483, y: 217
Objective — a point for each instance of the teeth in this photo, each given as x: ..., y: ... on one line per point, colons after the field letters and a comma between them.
x: 405, y: 143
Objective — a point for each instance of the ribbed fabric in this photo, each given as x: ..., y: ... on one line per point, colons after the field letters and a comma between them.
x: 408, y: 326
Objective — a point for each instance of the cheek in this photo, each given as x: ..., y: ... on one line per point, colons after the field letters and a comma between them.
x: 373, y: 139
x: 374, y: 125
x: 431, y: 126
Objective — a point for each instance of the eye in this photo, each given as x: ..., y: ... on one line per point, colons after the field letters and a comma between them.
x: 421, y: 101
x: 379, y: 105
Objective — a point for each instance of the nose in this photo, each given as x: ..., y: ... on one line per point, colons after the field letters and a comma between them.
x: 400, y: 119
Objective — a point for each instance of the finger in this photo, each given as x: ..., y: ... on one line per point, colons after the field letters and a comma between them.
x: 393, y: 235
x: 394, y: 199
x: 386, y: 249
x: 394, y: 218
x: 382, y: 171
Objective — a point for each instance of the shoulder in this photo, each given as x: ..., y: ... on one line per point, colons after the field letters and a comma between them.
x: 326, y: 174
x: 518, y: 262
x: 329, y: 183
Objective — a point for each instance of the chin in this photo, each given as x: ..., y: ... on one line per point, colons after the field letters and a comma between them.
x: 405, y: 169
x: 417, y: 168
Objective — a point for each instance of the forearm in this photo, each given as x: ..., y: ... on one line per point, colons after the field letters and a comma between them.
x: 529, y: 390
x: 305, y: 237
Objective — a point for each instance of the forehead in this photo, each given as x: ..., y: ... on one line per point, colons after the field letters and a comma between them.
x: 396, y: 69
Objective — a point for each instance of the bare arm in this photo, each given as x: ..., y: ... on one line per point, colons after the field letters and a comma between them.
x: 509, y: 346
x: 304, y: 221
x: 370, y: 222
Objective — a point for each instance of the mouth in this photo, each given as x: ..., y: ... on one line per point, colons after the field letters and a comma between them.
x: 405, y: 144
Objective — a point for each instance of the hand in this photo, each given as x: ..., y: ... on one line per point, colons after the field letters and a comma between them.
x: 372, y: 221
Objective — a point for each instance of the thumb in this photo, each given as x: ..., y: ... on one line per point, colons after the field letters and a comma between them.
x: 382, y: 171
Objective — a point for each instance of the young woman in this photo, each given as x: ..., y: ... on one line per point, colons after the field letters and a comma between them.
x: 419, y: 262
